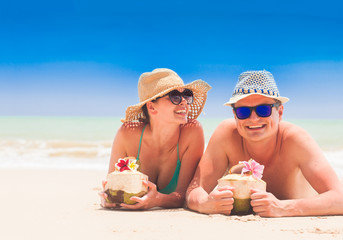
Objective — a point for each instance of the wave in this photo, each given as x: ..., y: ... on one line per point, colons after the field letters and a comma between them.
x: 335, y: 158
x: 54, y: 153
x: 84, y: 154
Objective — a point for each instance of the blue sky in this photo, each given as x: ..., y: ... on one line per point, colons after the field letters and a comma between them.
x: 84, y: 58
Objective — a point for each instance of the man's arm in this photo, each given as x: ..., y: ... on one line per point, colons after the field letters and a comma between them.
x: 200, y: 194
x: 300, y: 147
x: 321, y: 176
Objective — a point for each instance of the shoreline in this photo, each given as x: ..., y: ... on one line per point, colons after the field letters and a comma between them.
x: 64, y: 204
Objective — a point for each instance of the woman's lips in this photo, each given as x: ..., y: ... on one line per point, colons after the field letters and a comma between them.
x: 183, y: 111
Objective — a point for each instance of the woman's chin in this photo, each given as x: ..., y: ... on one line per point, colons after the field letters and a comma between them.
x: 182, y: 118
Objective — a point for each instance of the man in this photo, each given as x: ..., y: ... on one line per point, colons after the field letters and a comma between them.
x: 300, y: 181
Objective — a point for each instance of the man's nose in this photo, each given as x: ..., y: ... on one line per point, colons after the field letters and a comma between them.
x: 254, y: 115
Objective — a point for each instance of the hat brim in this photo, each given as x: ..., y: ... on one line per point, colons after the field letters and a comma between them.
x: 236, y: 98
x: 200, y: 88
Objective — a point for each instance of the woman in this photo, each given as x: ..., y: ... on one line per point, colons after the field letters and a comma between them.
x: 163, y: 134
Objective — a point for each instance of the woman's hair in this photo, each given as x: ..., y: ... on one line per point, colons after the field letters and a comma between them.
x: 146, y: 120
x: 146, y: 114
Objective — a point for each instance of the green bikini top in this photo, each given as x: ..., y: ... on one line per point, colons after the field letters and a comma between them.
x: 173, y: 182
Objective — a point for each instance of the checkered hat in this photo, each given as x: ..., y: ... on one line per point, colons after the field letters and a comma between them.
x: 258, y: 83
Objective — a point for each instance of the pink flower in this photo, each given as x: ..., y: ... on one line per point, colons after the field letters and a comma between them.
x: 122, y: 164
x: 252, y: 168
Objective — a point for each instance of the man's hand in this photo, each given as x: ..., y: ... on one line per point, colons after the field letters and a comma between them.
x: 265, y: 204
x: 220, y: 200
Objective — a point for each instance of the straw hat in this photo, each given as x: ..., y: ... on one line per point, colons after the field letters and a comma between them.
x: 258, y: 83
x: 160, y: 82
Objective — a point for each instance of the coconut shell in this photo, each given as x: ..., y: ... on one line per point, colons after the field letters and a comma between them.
x: 241, y: 194
x: 121, y: 186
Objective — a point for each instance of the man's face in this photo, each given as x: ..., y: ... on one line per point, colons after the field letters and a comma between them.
x: 255, y: 128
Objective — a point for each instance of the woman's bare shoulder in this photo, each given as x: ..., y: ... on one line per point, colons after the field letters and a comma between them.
x: 191, y: 129
x: 191, y: 124
x: 133, y: 125
x: 128, y: 129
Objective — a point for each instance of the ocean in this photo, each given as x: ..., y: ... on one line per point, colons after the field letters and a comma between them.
x: 85, y: 142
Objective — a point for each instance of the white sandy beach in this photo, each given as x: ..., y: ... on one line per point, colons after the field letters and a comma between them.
x: 64, y: 204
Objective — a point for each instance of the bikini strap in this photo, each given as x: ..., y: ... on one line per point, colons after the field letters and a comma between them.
x: 140, y: 143
x: 177, y: 146
x: 171, y: 187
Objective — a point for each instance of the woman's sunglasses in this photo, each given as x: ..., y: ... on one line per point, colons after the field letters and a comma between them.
x: 176, y: 97
x: 263, y: 110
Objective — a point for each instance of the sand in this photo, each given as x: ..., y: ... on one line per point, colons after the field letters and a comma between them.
x: 64, y: 204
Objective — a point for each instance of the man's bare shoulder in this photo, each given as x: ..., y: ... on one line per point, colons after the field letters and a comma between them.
x: 290, y: 131
x: 228, y: 125
x: 296, y: 139
x: 227, y: 129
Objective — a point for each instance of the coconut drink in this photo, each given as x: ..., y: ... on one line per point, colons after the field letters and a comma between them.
x: 125, y: 182
x: 249, y: 177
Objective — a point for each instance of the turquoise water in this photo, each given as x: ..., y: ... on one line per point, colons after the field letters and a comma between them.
x: 58, y: 128
x: 85, y: 142
x: 327, y: 133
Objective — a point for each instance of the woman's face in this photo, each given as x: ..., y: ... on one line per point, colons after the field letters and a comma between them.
x: 165, y: 110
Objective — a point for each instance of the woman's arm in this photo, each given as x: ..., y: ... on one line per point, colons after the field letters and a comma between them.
x: 118, y: 151
x: 201, y: 195
x: 119, y: 146
x: 192, y: 142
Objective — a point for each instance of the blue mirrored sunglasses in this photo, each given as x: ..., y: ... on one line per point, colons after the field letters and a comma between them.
x: 263, y: 110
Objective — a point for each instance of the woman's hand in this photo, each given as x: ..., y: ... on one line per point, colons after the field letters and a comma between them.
x: 149, y: 200
x: 103, y: 197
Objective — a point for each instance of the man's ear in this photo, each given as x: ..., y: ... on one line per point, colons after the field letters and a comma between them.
x: 234, y: 114
x: 280, y: 110
x: 151, y: 108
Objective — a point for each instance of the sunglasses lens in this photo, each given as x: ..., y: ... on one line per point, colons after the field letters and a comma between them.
x: 188, y: 96
x: 175, y: 97
x: 264, y: 110
x: 243, y: 112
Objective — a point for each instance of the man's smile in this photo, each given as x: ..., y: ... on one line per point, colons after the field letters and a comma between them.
x: 257, y: 127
